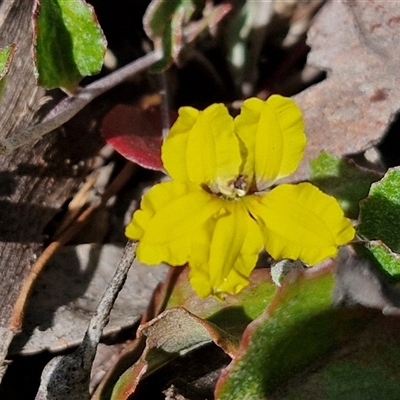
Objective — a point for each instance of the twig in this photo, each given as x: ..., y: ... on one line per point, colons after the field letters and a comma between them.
x: 67, y: 377
x: 70, y: 106
x: 101, y: 316
x: 76, y: 205
x: 134, y: 349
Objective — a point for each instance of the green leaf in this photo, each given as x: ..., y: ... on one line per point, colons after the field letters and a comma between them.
x: 6, y: 56
x: 170, y: 25
x: 385, y: 259
x: 299, y: 326
x: 164, y: 22
x: 236, y: 311
x: 366, y: 368
x: 380, y: 211
x: 342, y: 179
x: 69, y: 43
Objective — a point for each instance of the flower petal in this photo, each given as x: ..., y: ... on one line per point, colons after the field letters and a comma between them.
x: 225, y: 251
x: 300, y: 222
x: 170, y: 212
x: 202, y: 146
x: 272, y: 132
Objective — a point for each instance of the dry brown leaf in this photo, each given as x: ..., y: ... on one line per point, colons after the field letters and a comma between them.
x: 68, y: 292
x: 173, y: 333
x: 357, y: 43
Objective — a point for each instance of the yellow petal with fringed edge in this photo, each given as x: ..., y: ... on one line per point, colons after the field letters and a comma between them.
x: 202, y: 147
x: 168, y: 217
x: 300, y: 222
x: 224, y: 251
x: 272, y: 132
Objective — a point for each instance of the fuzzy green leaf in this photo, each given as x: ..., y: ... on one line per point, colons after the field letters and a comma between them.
x: 69, y: 43
x: 299, y: 326
x: 6, y: 56
x: 164, y: 22
x: 383, y: 258
x: 366, y: 369
x: 342, y: 179
x: 380, y: 211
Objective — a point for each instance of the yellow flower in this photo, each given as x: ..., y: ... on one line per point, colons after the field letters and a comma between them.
x: 217, y: 212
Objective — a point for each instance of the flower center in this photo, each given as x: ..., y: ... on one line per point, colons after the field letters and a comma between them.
x: 232, y: 189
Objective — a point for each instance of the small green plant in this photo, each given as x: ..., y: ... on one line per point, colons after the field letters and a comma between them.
x: 222, y: 206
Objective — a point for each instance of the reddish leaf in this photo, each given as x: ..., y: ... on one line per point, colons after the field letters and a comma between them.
x: 136, y: 133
